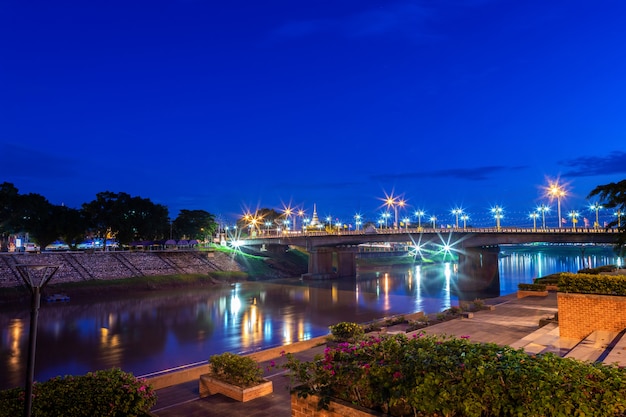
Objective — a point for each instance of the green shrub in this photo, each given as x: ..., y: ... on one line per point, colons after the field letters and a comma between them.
x: 598, y: 270
x: 241, y: 371
x: 531, y: 287
x: 552, y: 279
x: 592, y: 284
x: 346, y: 332
x: 110, y: 393
x: 434, y: 375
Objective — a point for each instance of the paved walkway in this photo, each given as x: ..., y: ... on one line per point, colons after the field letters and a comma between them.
x: 512, y: 321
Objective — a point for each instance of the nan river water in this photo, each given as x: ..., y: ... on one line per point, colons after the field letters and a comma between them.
x: 148, y: 333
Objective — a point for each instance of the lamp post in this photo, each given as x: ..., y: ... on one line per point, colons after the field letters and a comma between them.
x: 419, y: 214
x: 534, y: 217
x: 465, y: 218
x: 596, y: 206
x: 357, y: 220
x: 406, y: 223
x: 555, y: 191
x: 301, y: 214
x: 457, y: 212
x: 497, y: 213
x: 394, y: 202
x: 543, y: 209
x: 434, y: 220
x: 386, y: 216
x: 574, y: 215
x: 35, y: 277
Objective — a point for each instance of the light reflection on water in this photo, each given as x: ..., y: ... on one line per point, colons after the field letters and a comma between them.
x: 157, y: 331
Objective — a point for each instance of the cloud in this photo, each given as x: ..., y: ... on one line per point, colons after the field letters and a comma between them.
x: 22, y: 162
x: 404, y: 19
x: 591, y: 166
x: 469, y: 174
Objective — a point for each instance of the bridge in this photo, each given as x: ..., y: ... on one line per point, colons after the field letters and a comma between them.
x: 477, y: 248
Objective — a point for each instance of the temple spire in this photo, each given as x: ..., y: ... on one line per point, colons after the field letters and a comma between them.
x: 314, y: 220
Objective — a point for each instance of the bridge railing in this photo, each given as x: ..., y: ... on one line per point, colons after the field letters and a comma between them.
x: 427, y: 230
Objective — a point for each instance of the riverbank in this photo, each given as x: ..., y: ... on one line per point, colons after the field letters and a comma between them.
x: 113, y: 273
x: 511, y: 320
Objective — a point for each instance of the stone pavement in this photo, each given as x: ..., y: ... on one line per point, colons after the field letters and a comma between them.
x: 512, y: 321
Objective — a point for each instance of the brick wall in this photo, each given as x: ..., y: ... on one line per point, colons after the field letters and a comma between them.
x: 307, y: 407
x: 581, y: 314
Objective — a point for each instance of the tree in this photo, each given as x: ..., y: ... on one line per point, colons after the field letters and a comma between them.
x: 258, y: 220
x: 613, y: 195
x: 8, y: 199
x: 37, y: 217
x: 72, y: 225
x: 126, y: 218
x: 195, y: 224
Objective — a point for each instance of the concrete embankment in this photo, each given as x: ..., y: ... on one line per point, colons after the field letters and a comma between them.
x: 84, y: 266
x: 186, y: 374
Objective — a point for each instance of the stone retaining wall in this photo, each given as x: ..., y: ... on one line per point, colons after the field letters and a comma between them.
x: 83, y: 266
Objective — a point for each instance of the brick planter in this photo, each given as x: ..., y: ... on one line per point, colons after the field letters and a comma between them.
x: 307, y: 407
x: 208, y: 385
x: 581, y: 314
x: 526, y: 293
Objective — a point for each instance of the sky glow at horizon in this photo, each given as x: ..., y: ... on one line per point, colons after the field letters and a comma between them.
x: 230, y: 107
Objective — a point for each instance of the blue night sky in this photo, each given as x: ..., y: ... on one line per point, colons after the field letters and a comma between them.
x: 228, y: 106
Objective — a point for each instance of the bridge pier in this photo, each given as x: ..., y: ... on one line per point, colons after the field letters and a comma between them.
x: 346, y: 262
x: 479, y: 272
x: 321, y: 263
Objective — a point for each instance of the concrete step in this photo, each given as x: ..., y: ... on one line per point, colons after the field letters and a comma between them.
x: 545, y: 339
x: 617, y: 353
x: 593, y: 347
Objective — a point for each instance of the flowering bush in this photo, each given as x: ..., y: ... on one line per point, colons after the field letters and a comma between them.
x: 346, y: 332
x: 434, y: 375
x: 110, y: 393
x: 235, y: 369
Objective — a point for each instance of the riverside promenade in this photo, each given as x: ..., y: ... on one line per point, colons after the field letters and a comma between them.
x: 511, y: 321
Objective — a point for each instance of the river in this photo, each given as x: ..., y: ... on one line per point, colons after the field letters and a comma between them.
x: 146, y: 333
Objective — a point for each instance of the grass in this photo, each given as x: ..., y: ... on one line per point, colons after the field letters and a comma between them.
x: 117, y: 286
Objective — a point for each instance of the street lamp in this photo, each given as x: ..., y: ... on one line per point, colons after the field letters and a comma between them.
x: 596, y: 206
x: 406, y: 223
x: 574, y: 216
x: 35, y: 277
x: 419, y: 214
x: 394, y: 202
x: 457, y: 212
x: 301, y: 214
x: 543, y: 209
x: 497, y: 213
x: 386, y: 216
x: 288, y: 212
x: 465, y: 218
x: 534, y: 217
x: 556, y: 191
x: 434, y: 220
x: 357, y: 220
